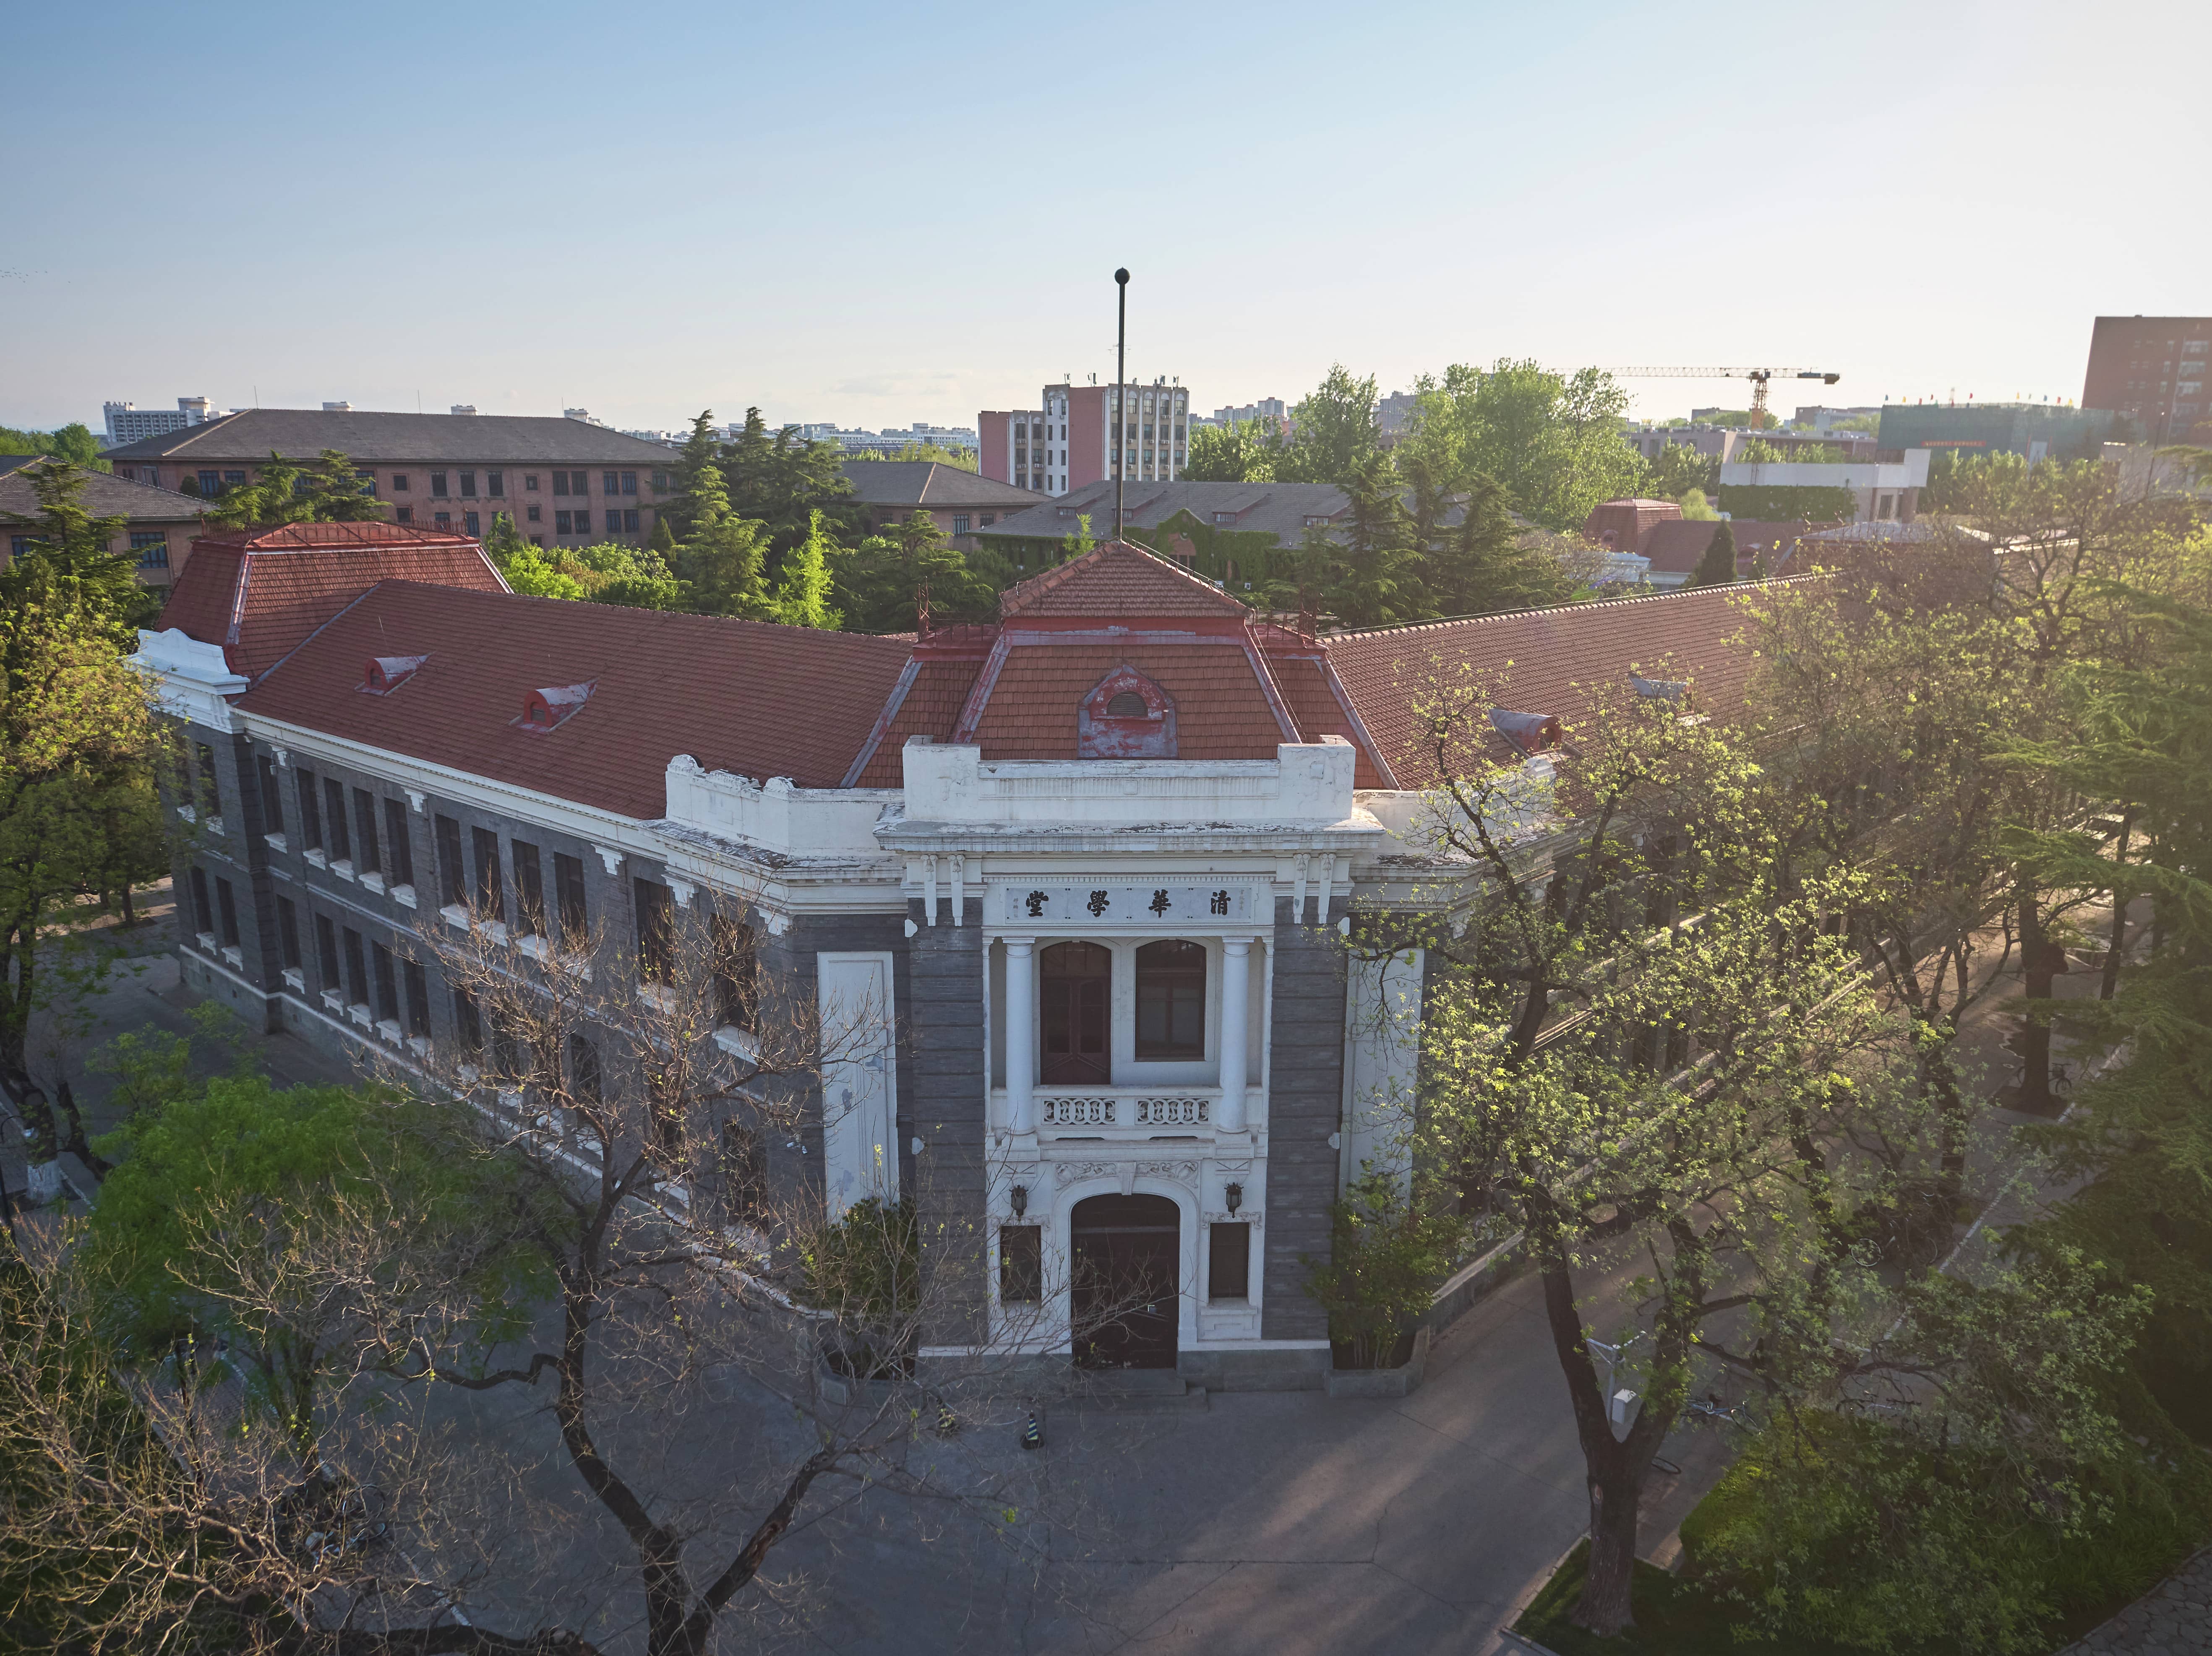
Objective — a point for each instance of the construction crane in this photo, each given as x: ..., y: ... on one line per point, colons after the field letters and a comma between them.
x: 1759, y: 377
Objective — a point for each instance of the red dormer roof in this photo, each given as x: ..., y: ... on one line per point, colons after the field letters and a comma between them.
x: 1116, y: 581
x: 260, y: 592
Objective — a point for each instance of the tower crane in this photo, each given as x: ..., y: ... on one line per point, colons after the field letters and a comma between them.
x: 1759, y: 377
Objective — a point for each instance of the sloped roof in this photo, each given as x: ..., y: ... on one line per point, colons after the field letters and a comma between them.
x: 251, y: 434
x: 259, y: 592
x: 932, y: 484
x: 1278, y: 509
x: 1117, y: 581
x: 1675, y: 546
x: 1221, y: 710
x: 738, y: 695
x: 104, y: 496
x: 1547, y: 661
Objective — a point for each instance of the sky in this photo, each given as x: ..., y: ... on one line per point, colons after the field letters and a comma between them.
x: 879, y: 213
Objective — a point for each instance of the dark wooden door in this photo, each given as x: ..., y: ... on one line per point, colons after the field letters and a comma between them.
x: 1127, y: 1250
x: 1074, y: 981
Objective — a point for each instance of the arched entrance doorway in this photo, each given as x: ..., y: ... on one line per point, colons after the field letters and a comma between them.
x: 1126, y: 1251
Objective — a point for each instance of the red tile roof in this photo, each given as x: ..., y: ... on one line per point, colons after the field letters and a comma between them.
x: 1119, y: 581
x: 1221, y: 712
x: 257, y: 593
x: 1305, y: 687
x: 1547, y: 661
x: 930, y: 708
x: 738, y: 695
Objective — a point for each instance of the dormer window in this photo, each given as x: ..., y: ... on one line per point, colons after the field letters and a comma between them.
x: 545, y: 709
x: 1529, y: 733
x: 382, y: 674
x: 1660, y: 690
x: 1126, y: 716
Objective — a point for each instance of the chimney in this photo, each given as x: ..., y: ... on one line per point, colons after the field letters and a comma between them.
x: 337, y: 407
x: 464, y: 408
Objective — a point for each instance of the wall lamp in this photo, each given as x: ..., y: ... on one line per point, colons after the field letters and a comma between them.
x: 1020, y: 1198
x: 1235, y: 1195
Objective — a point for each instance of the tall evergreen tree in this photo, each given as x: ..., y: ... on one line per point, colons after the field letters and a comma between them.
x: 723, y: 554
x: 1377, y: 577
x: 802, y: 592
x: 1484, y: 569
x: 1716, y: 565
x: 701, y: 454
x: 73, y: 569
x: 283, y: 493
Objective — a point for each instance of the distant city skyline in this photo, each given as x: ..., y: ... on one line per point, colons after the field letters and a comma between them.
x: 765, y: 252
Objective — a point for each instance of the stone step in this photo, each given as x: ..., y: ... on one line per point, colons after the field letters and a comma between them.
x: 1132, y: 1392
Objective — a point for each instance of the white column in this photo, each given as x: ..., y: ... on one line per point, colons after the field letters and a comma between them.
x: 1021, y: 1033
x: 1236, y: 1017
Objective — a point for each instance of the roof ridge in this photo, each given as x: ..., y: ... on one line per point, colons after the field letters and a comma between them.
x: 1573, y: 608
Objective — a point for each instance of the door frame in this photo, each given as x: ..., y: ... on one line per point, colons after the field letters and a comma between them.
x: 1061, y: 1253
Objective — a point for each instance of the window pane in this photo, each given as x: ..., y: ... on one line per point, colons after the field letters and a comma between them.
x: 1228, y: 1261
x: 490, y: 888
x: 1021, y: 1264
x: 1171, y: 1000
x: 529, y: 887
x: 568, y: 878
x: 399, y: 843
x: 452, y: 879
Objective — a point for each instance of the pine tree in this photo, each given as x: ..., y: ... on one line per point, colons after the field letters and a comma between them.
x: 1485, y: 569
x: 802, y: 593
x: 1716, y: 567
x: 68, y: 566
x: 664, y: 538
x: 1377, y: 580
x: 699, y: 456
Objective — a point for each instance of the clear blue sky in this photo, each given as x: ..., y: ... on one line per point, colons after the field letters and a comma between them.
x: 875, y: 213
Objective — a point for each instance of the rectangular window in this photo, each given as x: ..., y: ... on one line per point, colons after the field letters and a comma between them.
x: 399, y: 846
x: 495, y: 484
x: 387, y: 985
x: 398, y: 482
x: 561, y: 520
x: 536, y: 540
x: 536, y: 514
x: 202, y: 911
x: 660, y: 482
x: 272, y: 795
x: 326, y: 951
x: 959, y: 522
x: 629, y: 520
x: 438, y: 485
x: 356, y: 970
x: 288, y: 932
x: 568, y: 890
x: 630, y: 482
x: 744, y: 1173
x: 611, y: 483
x: 472, y: 525
x: 418, y: 1000
x: 233, y: 480
x: 466, y: 1024
x: 1171, y: 1000
x: 226, y: 902
x: 468, y: 485
x: 211, y: 788
x: 1021, y: 1264
x: 737, y: 975
x: 404, y: 514
x: 452, y: 879
x: 614, y: 520
x: 560, y: 483
x: 529, y: 889
x: 364, y: 817
x: 152, y: 548
x: 334, y: 816
x: 530, y: 482
x: 584, y: 1068
x: 579, y: 482
x: 490, y: 888
x: 441, y: 520
x: 1228, y: 1261
x: 656, y: 930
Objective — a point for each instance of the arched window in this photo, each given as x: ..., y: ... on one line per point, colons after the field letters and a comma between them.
x: 1125, y: 716
x: 1076, y: 981
x: 1128, y: 704
x: 1171, y: 1000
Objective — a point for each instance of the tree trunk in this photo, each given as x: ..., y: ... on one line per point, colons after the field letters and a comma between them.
x: 2109, y: 984
x: 1606, y: 1608
x: 2039, y: 974
x: 130, y: 914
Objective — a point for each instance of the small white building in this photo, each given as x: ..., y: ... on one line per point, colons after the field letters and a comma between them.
x: 1886, y: 491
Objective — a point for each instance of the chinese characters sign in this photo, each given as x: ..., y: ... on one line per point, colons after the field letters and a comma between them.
x: 1107, y: 906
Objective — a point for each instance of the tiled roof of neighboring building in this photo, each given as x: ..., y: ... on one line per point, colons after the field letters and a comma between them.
x: 1117, y: 580
x: 1544, y: 661
x: 738, y: 695
x: 1221, y: 712
x: 104, y: 496
x: 252, y: 434
x: 13, y: 462
x: 259, y: 592
x: 1278, y: 509
x: 931, y: 482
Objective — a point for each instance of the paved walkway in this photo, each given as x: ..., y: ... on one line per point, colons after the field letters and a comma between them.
x: 2174, y: 1619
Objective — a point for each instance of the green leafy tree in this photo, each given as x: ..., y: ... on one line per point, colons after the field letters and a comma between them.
x: 1485, y: 565
x: 282, y: 493
x: 1696, y: 508
x: 802, y: 590
x: 72, y: 567
x: 1377, y: 570
x: 875, y: 583
x: 1332, y: 435
x: 781, y: 481
x: 73, y: 443
x: 1679, y: 469
x: 1716, y: 563
x: 721, y: 554
x: 1242, y: 452
x: 1389, y: 1247
x: 526, y: 567
x: 1553, y: 440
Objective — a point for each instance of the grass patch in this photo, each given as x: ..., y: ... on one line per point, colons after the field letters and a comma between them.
x: 1674, y: 1617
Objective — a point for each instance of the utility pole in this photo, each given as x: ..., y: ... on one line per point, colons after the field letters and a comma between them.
x: 1120, y: 425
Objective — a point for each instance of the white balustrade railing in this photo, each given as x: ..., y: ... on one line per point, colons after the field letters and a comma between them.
x: 1124, y: 1109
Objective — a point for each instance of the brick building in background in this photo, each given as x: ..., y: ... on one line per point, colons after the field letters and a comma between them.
x: 2152, y: 369
x: 158, y: 525
x: 564, y: 481
x: 1069, y: 441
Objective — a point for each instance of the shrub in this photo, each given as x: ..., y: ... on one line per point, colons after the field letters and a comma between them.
x: 1387, y: 1251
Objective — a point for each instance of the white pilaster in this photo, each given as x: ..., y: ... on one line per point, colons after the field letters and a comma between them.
x: 1021, y: 1035
x: 1236, y: 1014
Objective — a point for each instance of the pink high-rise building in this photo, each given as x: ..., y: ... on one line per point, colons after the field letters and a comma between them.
x: 1069, y: 441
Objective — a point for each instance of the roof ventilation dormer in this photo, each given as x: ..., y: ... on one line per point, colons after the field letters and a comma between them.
x: 547, y: 709
x: 1126, y: 716
x: 1529, y: 733
x: 1662, y: 689
x: 382, y: 674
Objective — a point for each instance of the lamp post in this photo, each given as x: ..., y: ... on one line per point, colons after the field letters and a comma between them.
x: 1120, y: 421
